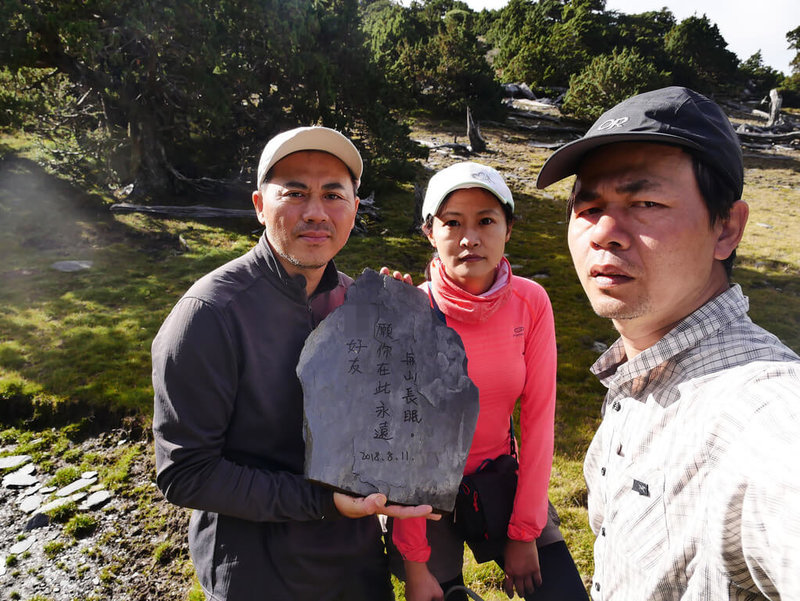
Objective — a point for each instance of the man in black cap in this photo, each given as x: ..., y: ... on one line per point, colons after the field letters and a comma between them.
x: 693, y: 479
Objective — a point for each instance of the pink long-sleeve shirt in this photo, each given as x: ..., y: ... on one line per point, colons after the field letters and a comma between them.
x: 509, y: 337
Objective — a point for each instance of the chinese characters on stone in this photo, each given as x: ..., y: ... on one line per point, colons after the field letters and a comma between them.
x: 392, y: 373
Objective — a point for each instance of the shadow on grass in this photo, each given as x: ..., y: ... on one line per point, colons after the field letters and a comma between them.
x: 764, y: 160
x: 75, y: 346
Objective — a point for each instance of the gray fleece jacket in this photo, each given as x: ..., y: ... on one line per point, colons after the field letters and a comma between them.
x: 227, y: 425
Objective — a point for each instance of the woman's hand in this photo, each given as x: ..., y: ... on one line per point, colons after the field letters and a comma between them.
x: 521, y: 567
x: 421, y: 585
x: 397, y: 275
x: 359, y: 507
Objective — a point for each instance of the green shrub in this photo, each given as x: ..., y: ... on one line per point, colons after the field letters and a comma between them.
x: 609, y: 79
x: 790, y: 90
x: 80, y: 525
x: 63, y: 513
x: 164, y: 552
x: 65, y: 475
x: 53, y: 548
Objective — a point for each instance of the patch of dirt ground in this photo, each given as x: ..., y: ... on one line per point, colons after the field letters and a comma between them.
x: 136, y: 551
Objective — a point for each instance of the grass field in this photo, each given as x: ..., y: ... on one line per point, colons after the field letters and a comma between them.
x: 74, y: 347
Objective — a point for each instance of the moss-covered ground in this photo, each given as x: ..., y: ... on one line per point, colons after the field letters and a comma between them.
x: 74, y: 346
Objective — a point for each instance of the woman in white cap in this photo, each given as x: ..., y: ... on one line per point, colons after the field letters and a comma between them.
x: 506, y: 325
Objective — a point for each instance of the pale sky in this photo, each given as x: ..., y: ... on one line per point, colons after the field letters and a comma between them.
x: 747, y: 25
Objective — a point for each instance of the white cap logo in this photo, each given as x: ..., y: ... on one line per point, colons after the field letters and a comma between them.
x: 481, y: 175
x: 611, y: 123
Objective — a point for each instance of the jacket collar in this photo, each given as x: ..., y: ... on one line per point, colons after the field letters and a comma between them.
x: 294, y: 285
x: 459, y: 304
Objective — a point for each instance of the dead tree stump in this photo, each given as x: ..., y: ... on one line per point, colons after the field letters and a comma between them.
x: 476, y: 141
x: 775, y: 102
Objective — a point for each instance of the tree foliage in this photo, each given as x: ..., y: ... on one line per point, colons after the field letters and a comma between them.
x: 790, y: 86
x: 645, y: 32
x: 700, y: 56
x: 609, y: 79
x: 432, y: 56
x: 176, y: 95
x: 758, y: 78
x: 793, y: 37
x: 543, y: 43
x: 546, y: 42
x: 189, y: 90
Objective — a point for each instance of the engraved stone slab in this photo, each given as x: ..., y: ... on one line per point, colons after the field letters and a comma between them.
x: 388, y: 405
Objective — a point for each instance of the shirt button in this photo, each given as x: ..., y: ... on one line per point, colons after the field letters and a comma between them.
x: 616, y: 406
x: 602, y: 471
x: 602, y: 531
x: 597, y: 586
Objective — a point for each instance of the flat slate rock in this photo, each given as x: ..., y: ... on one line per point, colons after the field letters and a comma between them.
x: 22, y: 546
x: 96, y: 499
x: 10, y: 462
x: 68, y: 266
x: 75, y: 486
x: 19, y: 479
x: 30, y: 504
x: 388, y: 405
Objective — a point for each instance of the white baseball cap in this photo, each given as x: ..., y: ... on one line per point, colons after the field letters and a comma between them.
x: 460, y: 176
x: 309, y: 138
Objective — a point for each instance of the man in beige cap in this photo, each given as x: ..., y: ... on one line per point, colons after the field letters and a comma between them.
x: 228, y: 405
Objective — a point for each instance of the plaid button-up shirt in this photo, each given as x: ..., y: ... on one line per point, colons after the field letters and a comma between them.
x: 694, y: 473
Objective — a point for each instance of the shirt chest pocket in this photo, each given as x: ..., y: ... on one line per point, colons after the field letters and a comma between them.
x: 638, y: 519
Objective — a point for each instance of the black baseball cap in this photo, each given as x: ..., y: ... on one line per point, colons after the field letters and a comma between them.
x: 672, y: 115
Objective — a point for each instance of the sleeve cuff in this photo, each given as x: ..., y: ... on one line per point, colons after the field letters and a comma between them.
x: 522, y: 534
x: 418, y: 555
x: 329, y: 511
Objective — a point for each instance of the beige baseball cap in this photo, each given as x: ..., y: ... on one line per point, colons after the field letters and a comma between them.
x: 309, y: 138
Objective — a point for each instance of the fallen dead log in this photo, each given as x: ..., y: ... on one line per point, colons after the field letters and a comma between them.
x: 524, y: 114
x: 546, y: 145
x: 366, y: 208
x: 765, y: 156
x: 764, y: 137
x: 528, y: 105
x: 459, y: 149
x: 548, y: 129
x: 185, y: 212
